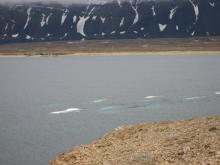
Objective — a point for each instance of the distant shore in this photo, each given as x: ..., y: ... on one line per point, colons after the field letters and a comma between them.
x: 121, y: 54
x: 193, y: 141
x: 164, y: 46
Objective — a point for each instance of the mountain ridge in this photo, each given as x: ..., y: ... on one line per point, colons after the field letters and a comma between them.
x: 113, y: 20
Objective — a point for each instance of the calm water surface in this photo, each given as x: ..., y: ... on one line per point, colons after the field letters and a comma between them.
x: 49, y: 105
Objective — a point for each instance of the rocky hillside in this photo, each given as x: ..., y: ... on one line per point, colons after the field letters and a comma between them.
x: 195, y: 142
x: 110, y: 20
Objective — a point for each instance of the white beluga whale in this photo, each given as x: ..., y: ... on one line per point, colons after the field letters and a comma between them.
x: 66, y: 111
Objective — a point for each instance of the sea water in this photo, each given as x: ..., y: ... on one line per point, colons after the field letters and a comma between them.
x: 50, y: 104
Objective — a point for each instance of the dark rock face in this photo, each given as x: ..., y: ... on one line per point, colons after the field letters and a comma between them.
x: 112, y: 20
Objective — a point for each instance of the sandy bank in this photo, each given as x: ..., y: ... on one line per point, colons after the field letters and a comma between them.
x: 194, y: 141
x: 202, y: 45
x: 159, y: 53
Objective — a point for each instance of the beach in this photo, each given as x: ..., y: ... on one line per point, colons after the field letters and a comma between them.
x: 163, y: 46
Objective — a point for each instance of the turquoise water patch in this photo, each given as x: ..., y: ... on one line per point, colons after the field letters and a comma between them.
x: 111, y: 109
x: 152, y: 105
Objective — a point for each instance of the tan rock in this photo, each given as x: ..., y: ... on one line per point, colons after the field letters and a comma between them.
x: 185, y: 142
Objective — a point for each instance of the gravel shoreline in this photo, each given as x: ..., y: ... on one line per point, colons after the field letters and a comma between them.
x: 193, y: 141
x: 165, y: 53
x: 113, y: 47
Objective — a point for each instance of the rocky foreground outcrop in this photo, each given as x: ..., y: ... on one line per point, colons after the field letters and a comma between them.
x: 193, y: 141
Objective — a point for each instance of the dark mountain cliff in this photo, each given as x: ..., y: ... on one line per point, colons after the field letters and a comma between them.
x: 111, y: 20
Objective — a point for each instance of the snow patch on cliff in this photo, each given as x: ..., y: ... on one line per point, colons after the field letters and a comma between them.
x: 64, y: 16
x: 172, y: 12
x: 153, y: 11
x: 196, y: 10
x: 212, y: 4
x: 28, y: 17
x: 122, y: 22
x: 136, y: 18
x: 103, y: 19
x: 162, y: 27
x: 81, y: 23
x: 43, y: 20
x: 48, y: 18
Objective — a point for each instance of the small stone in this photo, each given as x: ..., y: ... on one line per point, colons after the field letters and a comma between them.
x: 180, y: 152
x: 186, y: 149
x: 212, y: 129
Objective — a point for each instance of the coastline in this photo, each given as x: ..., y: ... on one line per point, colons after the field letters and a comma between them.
x: 127, y: 47
x: 190, y: 141
x: 147, y: 53
x: 159, y: 53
